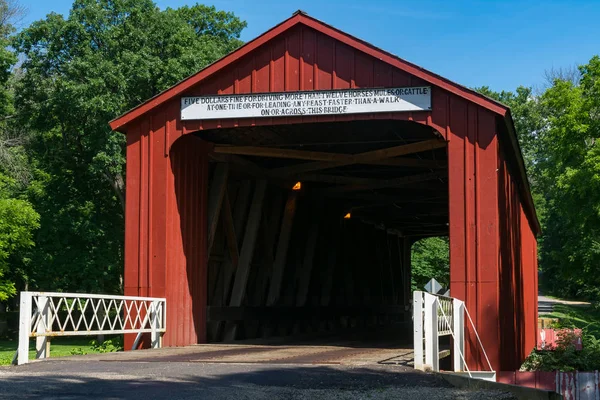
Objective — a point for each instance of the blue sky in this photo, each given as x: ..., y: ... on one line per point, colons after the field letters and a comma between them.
x: 501, y: 44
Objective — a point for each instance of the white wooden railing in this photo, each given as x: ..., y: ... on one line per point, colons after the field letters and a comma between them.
x: 435, y: 316
x: 44, y: 315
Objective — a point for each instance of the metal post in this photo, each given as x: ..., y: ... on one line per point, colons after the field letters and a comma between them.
x: 459, y: 334
x: 418, y: 329
x: 154, y: 336
x: 24, y: 328
x: 41, y: 342
x: 432, y: 348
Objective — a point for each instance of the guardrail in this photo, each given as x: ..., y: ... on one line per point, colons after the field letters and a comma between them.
x: 435, y: 316
x: 44, y: 315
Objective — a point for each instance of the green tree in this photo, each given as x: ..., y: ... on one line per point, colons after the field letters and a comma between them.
x: 430, y: 259
x: 18, y: 220
x: 77, y: 74
x: 570, y: 181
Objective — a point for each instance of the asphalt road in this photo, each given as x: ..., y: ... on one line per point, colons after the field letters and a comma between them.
x: 96, y: 379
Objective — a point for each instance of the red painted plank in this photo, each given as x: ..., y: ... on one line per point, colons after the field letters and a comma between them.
x: 507, y: 377
x: 545, y: 380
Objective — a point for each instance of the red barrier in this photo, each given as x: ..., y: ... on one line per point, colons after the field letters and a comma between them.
x: 549, y: 339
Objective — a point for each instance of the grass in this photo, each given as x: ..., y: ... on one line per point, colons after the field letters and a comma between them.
x: 577, y: 316
x: 60, y: 347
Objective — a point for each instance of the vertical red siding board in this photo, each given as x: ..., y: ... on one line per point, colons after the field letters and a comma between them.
x: 157, y: 205
x: 226, y: 83
x: 545, y: 380
x: 180, y: 276
x: 174, y: 297
x: 469, y: 196
x: 194, y: 277
x: 343, y: 70
x: 382, y: 78
x: 507, y: 377
x: 526, y: 284
x: 438, y: 118
x: 308, y: 44
x: 244, y: 74
x: 536, y: 275
x: 187, y: 255
x: 487, y: 234
x: 202, y: 243
x: 132, y: 215
x: 150, y: 264
x: 363, y: 75
x: 132, y: 219
x: 194, y: 238
x: 262, y: 61
x: 459, y: 186
x: 143, y: 210
x: 421, y: 117
x: 456, y: 195
x: 487, y: 197
x: 325, y: 78
x: 325, y: 59
x: 526, y: 379
x: 400, y: 78
x: 169, y: 248
x: 418, y: 81
x: 294, y: 67
x: 278, y: 66
x: 308, y: 64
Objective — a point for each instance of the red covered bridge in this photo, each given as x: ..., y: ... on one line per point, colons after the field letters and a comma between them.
x: 279, y: 191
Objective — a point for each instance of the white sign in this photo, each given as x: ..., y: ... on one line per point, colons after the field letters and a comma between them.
x: 318, y: 102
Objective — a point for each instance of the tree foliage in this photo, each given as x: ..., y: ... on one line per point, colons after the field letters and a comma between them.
x: 570, y: 184
x: 77, y: 73
x: 430, y: 259
x: 18, y: 219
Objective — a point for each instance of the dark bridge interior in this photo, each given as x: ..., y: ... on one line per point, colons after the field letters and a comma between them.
x: 310, y: 225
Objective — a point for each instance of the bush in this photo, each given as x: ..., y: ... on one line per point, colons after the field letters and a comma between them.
x: 564, y: 357
x: 108, y: 346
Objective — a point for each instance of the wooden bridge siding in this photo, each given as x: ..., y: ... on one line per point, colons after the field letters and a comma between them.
x: 165, y: 242
x: 518, y: 271
x: 474, y: 224
x: 289, y: 63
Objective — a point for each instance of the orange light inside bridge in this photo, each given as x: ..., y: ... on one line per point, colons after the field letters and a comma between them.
x: 297, y: 186
x: 348, y: 216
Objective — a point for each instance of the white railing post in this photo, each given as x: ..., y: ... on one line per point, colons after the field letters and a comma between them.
x: 432, y: 347
x: 418, y: 328
x: 24, y: 328
x: 459, y: 335
x: 154, y: 336
x: 42, y: 344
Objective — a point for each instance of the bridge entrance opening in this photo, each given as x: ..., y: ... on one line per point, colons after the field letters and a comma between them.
x: 310, y: 228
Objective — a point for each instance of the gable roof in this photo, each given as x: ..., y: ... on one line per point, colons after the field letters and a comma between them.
x: 300, y: 17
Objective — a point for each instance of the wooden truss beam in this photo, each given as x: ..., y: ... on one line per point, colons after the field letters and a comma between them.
x: 385, y: 183
x: 324, y: 160
x: 364, y: 158
x: 240, y: 282
x: 272, y: 152
x: 282, y: 249
x: 215, y: 200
